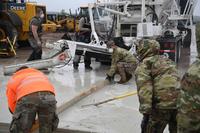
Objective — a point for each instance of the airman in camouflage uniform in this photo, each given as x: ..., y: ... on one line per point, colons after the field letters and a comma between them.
x: 157, y: 82
x: 123, y: 62
x: 189, y: 102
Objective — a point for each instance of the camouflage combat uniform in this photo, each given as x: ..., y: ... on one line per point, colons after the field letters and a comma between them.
x: 189, y: 101
x: 123, y: 62
x: 157, y: 83
x: 41, y: 103
x: 83, y: 36
x: 198, y: 37
x: 37, y: 49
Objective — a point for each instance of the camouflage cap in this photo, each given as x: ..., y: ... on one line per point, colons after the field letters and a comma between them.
x: 147, y: 47
x: 110, y: 43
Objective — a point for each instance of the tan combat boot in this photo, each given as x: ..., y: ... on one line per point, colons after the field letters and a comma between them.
x: 122, y: 73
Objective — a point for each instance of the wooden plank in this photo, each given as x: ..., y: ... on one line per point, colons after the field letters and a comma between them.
x: 97, y: 86
x: 4, y: 128
x: 93, y: 88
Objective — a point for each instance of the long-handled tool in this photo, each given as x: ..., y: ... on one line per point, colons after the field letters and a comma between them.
x: 12, y: 44
x: 112, y: 99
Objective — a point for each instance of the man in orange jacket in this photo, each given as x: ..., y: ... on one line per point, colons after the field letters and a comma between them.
x: 30, y: 93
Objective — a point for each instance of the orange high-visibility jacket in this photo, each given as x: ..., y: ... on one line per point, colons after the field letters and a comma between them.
x: 25, y: 82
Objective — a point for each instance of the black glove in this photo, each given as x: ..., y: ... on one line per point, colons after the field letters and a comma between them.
x: 109, y: 78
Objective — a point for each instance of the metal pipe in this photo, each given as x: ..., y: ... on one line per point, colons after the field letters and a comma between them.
x: 112, y: 3
x: 92, y: 23
x: 143, y: 10
x: 118, y: 30
x: 125, y: 13
x: 35, y: 64
x: 126, y: 9
x: 101, y: 47
x: 40, y: 64
x: 114, y: 11
x: 88, y: 46
x: 186, y: 7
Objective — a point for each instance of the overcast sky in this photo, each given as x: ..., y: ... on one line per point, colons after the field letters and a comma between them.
x: 58, y: 5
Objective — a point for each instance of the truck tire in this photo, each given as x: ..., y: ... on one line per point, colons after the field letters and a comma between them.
x: 187, y: 39
x: 7, y: 30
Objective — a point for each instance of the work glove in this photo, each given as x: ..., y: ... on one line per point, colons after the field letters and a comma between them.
x: 110, y: 78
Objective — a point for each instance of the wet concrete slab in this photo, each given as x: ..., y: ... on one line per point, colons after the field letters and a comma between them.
x: 113, y: 117
x: 69, y: 83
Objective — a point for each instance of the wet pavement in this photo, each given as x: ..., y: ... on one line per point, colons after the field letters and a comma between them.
x: 121, y: 116
x: 113, y: 117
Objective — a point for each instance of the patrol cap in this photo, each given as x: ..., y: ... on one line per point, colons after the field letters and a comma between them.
x: 146, y: 47
x: 110, y: 43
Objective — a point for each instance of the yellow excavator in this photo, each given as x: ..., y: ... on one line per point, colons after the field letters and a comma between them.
x: 66, y: 22
x: 14, y: 24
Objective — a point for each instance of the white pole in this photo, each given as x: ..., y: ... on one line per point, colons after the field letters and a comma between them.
x: 143, y: 10
x: 92, y: 23
x: 118, y: 33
